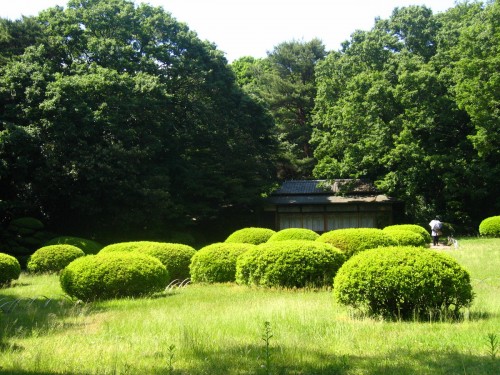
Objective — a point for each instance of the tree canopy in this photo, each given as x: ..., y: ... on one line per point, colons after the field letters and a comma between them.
x: 413, y: 104
x: 117, y: 117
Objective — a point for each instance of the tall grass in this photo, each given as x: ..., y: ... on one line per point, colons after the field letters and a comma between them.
x: 219, y: 329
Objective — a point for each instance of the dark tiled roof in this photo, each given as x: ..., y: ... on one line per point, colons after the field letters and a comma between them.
x: 322, y: 187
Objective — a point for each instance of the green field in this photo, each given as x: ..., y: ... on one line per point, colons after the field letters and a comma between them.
x: 231, y: 329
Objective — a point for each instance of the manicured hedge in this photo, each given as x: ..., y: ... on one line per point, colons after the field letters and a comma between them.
x: 10, y: 269
x: 294, y: 234
x: 289, y: 264
x: 88, y: 246
x: 175, y: 256
x: 407, y: 238
x: 216, y: 263
x: 354, y: 240
x: 490, y: 227
x: 414, y: 228
x: 403, y: 282
x: 250, y: 235
x: 114, y: 275
x: 53, y: 258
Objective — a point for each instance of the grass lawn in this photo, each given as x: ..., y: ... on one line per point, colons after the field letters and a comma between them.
x: 231, y: 329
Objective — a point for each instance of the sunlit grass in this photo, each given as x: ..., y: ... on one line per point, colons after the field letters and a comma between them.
x: 218, y: 329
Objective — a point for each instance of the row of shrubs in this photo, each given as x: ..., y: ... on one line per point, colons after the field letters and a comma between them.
x: 412, y: 278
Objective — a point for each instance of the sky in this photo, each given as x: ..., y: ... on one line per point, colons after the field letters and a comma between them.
x: 254, y: 27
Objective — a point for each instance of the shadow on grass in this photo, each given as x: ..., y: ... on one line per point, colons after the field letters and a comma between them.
x: 251, y: 360
x: 22, y: 372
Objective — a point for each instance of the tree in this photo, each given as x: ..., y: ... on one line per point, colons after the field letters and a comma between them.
x: 127, y: 120
x: 387, y: 109
x: 285, y: 82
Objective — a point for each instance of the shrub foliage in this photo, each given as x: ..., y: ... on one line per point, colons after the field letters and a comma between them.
x: 216, y: 263
x: 251, y: 235
x: 88, y: 246
x: 114, y: 275
x: 175, y: 256
x: 403, y: 282
x: 405, y: 237
x: 294, y: 234
x: 289, y: 264
x: 53, y: 258
x: 490, y: 227
x: 414, y: 228
x: 354, y: 240
x: 10, y: 269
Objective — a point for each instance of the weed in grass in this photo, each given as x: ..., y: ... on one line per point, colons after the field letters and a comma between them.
x: 170, y: 359
x: 493, y: 345
x: 266, y: 337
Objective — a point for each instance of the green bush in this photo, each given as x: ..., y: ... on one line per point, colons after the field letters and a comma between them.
x: 405, y: 237
x: 216, y: 263
x: 127, y: 246
x: 294, y: 234
x: 53, y: 258
x: 26, y: 223
x: 176, y: 257
x: 10, y: 269
x: 88, y: 246
x: 403, y: 282
x: 414, y: 228
x: 354, y: 240
x: 490, y: 227
x: 250, y: 235
x: 113, y: 275
x: 289, y: 264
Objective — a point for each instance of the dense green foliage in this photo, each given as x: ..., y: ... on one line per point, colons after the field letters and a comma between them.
x: 414, y: 228
x: 354, y: 240
x: 412, y: 104
x: 294, y: 234
x: 176, y: 257
x: 88, y: 246
x: 10, y: 269
x: 403, y: 237
x: 251, y: 235
x: 164, y: 132
x: 289, y: 264
x: 114, y: 275
x: 22, y: 237
x: 490, y: 226
x: 53, y: 258
x: 116, y: 115
x: 285, y: 82
x: 403, y: 282
x: 216, y: 263
x: 127, y: 246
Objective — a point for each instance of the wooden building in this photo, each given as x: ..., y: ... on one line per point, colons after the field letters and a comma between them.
x: 323, y: 205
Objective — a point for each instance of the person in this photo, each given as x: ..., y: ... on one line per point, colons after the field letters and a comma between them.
x: 436, y: 226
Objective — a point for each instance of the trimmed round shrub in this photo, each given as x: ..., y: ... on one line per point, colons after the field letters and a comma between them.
x: 175, y: 256
x: 289, y: 264
x: 10, y: 269
x: 490, y: 227
x: 216, y: 263
x: 114, y: 275
x: 403, y: 282
x: 88, y: 246
x: 26, y: 223
x: 405, y: 237
x: 294, y: 234
x: 53, y: 258
x: 126, y: 246
x: 354, y: 240
x: 414, y: 228
x: 250, y: 235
